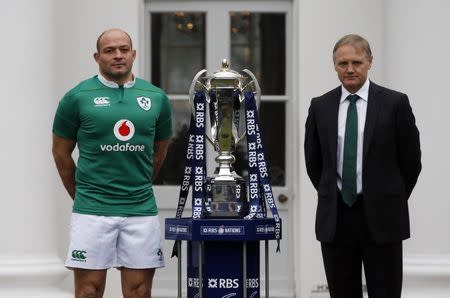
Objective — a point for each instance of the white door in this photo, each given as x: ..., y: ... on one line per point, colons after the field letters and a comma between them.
x: 183, y: 37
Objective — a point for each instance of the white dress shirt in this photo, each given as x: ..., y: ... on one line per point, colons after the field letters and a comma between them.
x: 361, y: 107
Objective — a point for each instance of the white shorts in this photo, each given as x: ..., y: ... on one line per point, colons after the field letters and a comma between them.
x: 102, y: 242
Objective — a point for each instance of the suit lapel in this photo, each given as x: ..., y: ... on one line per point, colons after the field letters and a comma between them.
x: 373, y: 107
x: 333, y: 113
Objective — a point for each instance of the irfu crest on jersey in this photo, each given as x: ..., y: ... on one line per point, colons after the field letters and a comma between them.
x: 144, y: 102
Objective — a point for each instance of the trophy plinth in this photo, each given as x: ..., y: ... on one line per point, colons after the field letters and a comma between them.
x: 226, y: 191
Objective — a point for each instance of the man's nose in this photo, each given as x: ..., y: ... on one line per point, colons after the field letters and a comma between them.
x: 118, y: 54
x: 350, y: 68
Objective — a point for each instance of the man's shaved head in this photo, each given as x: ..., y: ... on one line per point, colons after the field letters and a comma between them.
x: 99, y: 39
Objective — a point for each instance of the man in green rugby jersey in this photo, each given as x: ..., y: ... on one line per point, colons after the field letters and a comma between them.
x: 121, y: 125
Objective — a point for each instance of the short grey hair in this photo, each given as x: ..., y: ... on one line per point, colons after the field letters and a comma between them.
x: 354, y: 40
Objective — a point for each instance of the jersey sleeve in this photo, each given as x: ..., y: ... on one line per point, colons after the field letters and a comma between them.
x: 66, y: 121
x: 164, y: 124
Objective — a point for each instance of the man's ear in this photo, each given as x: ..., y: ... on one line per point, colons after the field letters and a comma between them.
x: 96, y: 55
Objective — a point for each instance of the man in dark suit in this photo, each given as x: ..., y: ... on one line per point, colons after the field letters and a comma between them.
x: 362, y: 153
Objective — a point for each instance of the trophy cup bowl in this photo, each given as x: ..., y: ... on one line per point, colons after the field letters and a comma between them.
x: 226, y: 191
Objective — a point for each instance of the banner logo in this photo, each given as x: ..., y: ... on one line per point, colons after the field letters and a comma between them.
x: 223, y: 283
x: 178, y: 229
x: 193, y: 282
x: 267, y: 229
x: 222, y: 230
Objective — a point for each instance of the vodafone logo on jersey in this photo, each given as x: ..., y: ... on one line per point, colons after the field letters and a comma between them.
x: 124, y: 130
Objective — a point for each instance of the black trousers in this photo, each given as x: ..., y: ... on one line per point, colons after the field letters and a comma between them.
x: 354, y: 246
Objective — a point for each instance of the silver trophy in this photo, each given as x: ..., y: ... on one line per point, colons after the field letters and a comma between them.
x: 226, y: 191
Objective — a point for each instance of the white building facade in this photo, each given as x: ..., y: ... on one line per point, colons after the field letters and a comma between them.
x: 48, y: 47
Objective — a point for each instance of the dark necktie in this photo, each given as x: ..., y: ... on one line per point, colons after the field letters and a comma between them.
x: 349, y: 194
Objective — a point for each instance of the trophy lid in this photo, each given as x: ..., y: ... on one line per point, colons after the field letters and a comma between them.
x: 226, y: 73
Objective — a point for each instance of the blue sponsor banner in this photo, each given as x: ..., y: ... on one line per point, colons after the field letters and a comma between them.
x: 259, y: 182
x: 221, y: 229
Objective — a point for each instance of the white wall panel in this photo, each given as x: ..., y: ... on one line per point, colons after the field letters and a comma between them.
x: 28, y: 253
x: 417, y: 61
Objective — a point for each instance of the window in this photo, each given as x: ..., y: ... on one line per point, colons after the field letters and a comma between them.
x: 257, y: 41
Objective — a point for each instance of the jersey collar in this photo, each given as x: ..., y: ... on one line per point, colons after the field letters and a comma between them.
x: 112, y: 84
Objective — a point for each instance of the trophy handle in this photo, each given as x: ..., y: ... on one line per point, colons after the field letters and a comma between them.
x: 256, y: 90
x: 192, y: 90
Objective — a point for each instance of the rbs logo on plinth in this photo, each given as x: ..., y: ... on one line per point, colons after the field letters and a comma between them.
x: 223, y: 283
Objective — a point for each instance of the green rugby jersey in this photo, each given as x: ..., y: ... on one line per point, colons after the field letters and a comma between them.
x: 115, y: 129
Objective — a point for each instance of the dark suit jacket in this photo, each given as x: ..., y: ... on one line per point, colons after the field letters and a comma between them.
x: 391, y: 162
